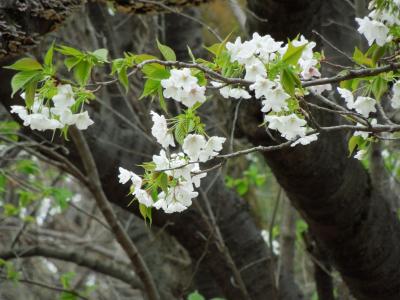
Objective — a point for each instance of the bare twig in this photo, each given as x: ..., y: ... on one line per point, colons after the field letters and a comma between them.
x: 94, y: 185
x: 49, y: 287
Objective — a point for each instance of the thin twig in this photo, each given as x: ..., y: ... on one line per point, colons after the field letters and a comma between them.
x: 94, y: 185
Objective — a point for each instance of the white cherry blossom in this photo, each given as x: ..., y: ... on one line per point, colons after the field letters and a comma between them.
x: 262, y: 86
x: 64, y: 97
x: 144, y: 198
x: 83, y: 121
x: 306, y: 140
x: 347, y: 96
x: 275, y: 100
x: 192, y: 145
x: 373, y: 31
x: 360, y: 155
x: 160, y: 130
x: 254, y: 70
x: 364, y: 105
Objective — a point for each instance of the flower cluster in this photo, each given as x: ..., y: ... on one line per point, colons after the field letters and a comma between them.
x: 362, y: 105
x: 183, y: 87
x: 376, y: 26
x: 182, y: 170
x: 291, y: 127
x: 42, y: 116
x: 256, y: 55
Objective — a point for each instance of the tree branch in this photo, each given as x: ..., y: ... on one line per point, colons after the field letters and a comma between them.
x: 106, y: 267
x: 94, y: 185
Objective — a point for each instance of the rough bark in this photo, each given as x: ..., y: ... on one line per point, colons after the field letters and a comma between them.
x: 333, y: 193
x: 22, y: 23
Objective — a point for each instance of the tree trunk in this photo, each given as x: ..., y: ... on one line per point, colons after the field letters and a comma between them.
x: 350, y: 219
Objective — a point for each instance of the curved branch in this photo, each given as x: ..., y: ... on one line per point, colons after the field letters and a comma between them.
x: 106, y: 267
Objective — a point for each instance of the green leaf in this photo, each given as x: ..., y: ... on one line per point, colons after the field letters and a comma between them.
x: 195, y: 296
x: 293, y: 54
x: 123, y: 78
x: 379, y: 87
x: 30, y: 91
x: 289, y: 80
x: 143, y: 57
x: 69, y: 51
x: 377, y: 54
x: 3, y: 181
x: 161, y: 98
x: 25, y: 64
x: 180, y: 133
x: 154, y: 70
x: 101, y: 55
x: 71, y: 62
x: 214, y: 48
x: 68, y: 296
x: 82, y: 72
x: 354, y: 143
x: 362, y: 59
x: 48, y: 58
x: 150, y: 87
x: 62, y: 196
x: 157, y: 73
x: 27, y: 166
x: 10, y: 210
x: 143, y: 210
x: 163, y: 182
x: 66, y: 279
x: 166, y: 51
x: 242, y: 186
x: 21, y: 79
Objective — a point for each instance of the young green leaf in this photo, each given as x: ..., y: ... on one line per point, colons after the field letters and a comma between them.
x: 289, y: 80
x: 162, y: 99
x: 101, y: 55
x: 362, y: 58
x: 293, y: 54
x: 69, y: 51
x: 25, y: 64
x: 123, y: 78
x: 354, y: 143
x: 166, y: 51
x: 195, y: 296
x: 48, y: 58
x: 150, y: 87
x: 379, y: 87
x: 71, y: 62
x: 82, y: 72
x: 30, y: 91
x: 20, y: 79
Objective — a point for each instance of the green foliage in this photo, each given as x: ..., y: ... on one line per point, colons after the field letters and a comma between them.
x: 65, y: 280
x: 355, y: 143
x: 61, y: 196
x: 289, y: 80
x: 151, y: 87
x: 252, y: 176
x: 362, y: 58
x: 12, y: 273
x: 293, y: 54
x: 23, y: 79
x: 197, y: 296
x: 379, y: 86
x: 82, y: 63
x: 166, y: 52
x: 186, y: 123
